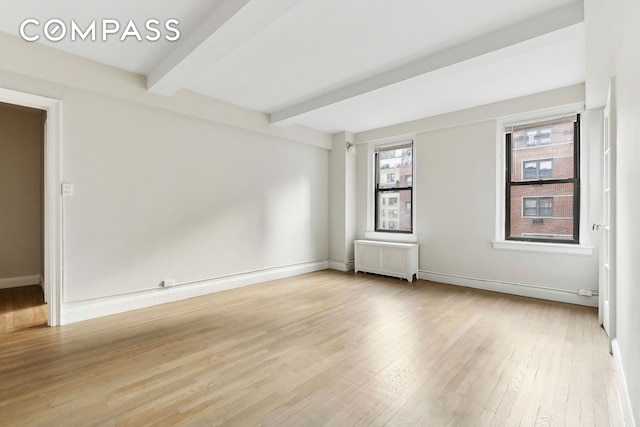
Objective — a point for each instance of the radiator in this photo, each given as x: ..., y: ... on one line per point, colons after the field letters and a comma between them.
x: 387, y: 258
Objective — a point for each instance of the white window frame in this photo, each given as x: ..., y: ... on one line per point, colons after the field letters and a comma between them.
x: 499, y: 242
x: 390, y: 236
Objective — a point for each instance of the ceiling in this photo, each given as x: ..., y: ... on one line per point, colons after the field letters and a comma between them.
x: 335, y: 65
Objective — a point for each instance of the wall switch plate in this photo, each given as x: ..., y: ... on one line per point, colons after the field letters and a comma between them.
x: 67, y: 189
x: 167, y: 283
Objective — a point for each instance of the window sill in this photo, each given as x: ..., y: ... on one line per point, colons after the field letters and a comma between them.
x: 391, y: 237
x: 549, y: 248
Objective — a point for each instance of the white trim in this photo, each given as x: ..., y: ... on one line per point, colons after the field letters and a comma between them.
x: 89, y: 309
x: 522, y: 289
x: 371, y: 167
x: 341, y: 265
x: 575, y: 108
x: 52, y: 215
x: 625, y: 400
x: 16, y: 282
x: 549, y: 248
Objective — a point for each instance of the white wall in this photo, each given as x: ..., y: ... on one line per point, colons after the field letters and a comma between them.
x: 342, y: 206
x: 456, y: 219
x: 456, y: 206
x: 337, y: 208
x: 160, y: 195
x: 171, y: 187
x: 627, y: 71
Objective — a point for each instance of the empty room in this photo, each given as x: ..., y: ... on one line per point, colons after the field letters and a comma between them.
x: 320, y: 212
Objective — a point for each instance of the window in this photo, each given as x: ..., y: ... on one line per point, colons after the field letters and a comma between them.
x: 537, y: 169
x: 542, y: 197
x: 534, y: 137
x: 537, y: 207
x: 394, y: 187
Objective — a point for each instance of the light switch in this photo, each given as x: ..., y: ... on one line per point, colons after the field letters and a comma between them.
x: 67, y: 189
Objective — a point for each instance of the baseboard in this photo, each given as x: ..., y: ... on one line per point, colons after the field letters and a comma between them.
x: 525, y: 290
x: 16, y: 282
x: 84, y: 310
x: 627, y: 410
x: 341, y: 265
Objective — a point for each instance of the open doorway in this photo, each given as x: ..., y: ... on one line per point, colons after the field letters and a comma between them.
x: 51, y: 248
x: 22, y: 135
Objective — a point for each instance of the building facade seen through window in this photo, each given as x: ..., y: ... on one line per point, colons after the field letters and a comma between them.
x: 542, y: 194
x: 394, y: 188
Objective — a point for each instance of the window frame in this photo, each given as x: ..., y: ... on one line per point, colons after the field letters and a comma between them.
x: 575, y: 180
x: 377, y: 190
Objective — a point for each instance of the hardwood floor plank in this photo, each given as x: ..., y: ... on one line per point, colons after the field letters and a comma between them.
x: 22, y: 308
x: 326, y: 348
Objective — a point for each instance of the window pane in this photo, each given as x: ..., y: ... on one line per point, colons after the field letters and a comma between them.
x: 530, y: 170
x: 395, y: 167
x: 398, y: 215
x: 542, y: 211
x: 543, y: 151
x: 545, y: 207
x: 545, y: 170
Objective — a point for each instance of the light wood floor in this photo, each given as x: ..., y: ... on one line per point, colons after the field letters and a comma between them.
x: 326, y: 348
x: 22, y: 308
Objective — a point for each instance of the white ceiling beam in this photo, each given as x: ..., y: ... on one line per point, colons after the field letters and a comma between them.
x: 232, y: 23
x: 540, y: 25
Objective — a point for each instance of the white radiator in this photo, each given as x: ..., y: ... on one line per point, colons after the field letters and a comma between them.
x: 387, y: 258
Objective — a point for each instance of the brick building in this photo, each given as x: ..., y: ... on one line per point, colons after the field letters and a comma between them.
x: 538, y: 154
x: 395, y: 206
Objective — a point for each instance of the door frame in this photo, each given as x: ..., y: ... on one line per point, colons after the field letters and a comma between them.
x: 52, y: 204
x: 607, y: 288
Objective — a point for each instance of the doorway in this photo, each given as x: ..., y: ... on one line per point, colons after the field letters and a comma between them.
x: 51, y: 212
x: 21, y: 217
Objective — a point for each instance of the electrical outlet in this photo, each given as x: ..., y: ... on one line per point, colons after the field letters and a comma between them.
x: 585, y: 293
x: 167, y: 283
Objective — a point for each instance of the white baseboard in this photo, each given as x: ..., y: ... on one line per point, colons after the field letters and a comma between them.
x: 525, y: 290
x: 16, y: 282
x: 341, y: 265
x: 84, y: 310
x: 627, y: 410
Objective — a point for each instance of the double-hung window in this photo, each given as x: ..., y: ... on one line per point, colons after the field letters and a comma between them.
x: 543, y: 181
x: 394, y: 188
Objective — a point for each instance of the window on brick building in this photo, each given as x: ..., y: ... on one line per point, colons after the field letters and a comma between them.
x: 543, y: 181
x: 537, y: 207
x: 393, y: 162
x: 537, y: 169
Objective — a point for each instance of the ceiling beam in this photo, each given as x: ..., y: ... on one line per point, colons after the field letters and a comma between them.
x: 540, y: 25
x: 231, y: 24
